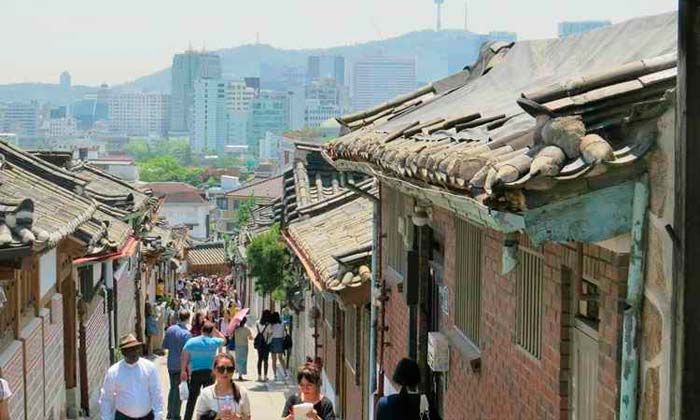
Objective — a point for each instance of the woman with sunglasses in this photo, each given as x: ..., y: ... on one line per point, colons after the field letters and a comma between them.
x: 309, y: 381
x: 223, y: 400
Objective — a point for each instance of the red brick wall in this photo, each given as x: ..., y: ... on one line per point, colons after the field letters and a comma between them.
x: 97, y: 343
x: 512, y: 383
x: 53, y: 358
x: 12, y: 369
x: 32, y: 339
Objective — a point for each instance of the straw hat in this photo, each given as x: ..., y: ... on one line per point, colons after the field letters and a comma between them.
x: 128, y: 341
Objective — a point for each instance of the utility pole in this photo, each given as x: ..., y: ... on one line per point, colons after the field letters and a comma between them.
x: 686, y: 281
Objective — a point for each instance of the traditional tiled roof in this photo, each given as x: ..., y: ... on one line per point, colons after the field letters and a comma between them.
x: 312, y: 181
x: 37, y: 211
x: 206, y: 254
x: 266, y: 189
x: 337, y: 232
x: 572, y: 114
x: 176, y: 192
x: 103, y: 232
x: 112, y: 190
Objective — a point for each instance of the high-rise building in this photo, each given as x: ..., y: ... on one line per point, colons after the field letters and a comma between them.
x: 326, y: 67
x: 65, y: 80
x: 270, y: 111
x: 61, y: 127
x: 324, y: 99
x: 581, y: 26
x: 379, y: 79
x: 238, y: 98
x: 89, y: 111
x: 209, y: 131
x: 21, y: 118
x: 186, y: 69
x: 138, y: 114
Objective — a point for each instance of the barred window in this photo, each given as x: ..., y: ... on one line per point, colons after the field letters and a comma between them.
x: 395, y: 248
x: 529, y: 305
x: 469, y: 254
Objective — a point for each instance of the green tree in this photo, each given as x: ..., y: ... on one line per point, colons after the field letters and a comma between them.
x: 244, y: 213
x: 167, y: 168
x: 139, y: 149
x: 267, y: 259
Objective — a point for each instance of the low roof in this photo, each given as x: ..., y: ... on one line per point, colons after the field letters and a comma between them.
x: 337, y: 232
x: 176, y: 192
x: 270, y: 189
x: 206, y: 255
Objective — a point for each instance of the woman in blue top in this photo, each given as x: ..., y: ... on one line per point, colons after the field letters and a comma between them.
x: 406, y: 404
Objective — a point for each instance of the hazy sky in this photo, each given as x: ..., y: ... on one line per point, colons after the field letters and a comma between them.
x: 115, y: 41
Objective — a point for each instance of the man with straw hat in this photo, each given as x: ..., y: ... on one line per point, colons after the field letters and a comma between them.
x: 131, y: 389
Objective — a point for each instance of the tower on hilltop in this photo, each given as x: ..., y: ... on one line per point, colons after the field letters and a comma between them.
x: 438, y: 4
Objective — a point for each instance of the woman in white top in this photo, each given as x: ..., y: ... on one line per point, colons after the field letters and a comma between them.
x: 223, y: 399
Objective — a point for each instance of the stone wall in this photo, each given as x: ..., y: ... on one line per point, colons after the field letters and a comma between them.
x: 126, y: 310
x: 55, y: 394
x: 32, y: 340
x: 97, y: 346
x: 12, y: 369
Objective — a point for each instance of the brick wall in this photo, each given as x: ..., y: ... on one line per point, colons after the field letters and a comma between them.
x: 526, y: 387
x: 32, y: 340
x: 97, y: 343
x: 54, y: 390
x: 12, y: 369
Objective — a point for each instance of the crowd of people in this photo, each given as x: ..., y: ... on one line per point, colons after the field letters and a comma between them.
x: 207, y: 339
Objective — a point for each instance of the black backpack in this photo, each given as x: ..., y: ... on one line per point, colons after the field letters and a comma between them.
x: 259, y: 343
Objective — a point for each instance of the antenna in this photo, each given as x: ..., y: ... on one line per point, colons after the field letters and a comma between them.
x: 466, y: 21
x: 438, y: 4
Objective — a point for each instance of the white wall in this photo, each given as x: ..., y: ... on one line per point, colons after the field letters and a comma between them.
x: 188, y: 213
x: 47, y: 271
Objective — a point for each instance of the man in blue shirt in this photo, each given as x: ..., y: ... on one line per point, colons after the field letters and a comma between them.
x: 197, y: 361
x: 175, y: 338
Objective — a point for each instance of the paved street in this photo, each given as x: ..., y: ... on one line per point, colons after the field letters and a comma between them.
x: 266, y: 399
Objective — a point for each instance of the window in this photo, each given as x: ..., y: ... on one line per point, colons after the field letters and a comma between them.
x: 351, y: 338
x: 222, y: 203
x: 87, y: 287
x: 469, y: 255
x: 529, y: 305
x: 395, y: 248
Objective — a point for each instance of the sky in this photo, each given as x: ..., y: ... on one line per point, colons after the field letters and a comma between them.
x: 116, y: 41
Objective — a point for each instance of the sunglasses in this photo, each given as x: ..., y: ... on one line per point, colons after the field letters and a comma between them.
x: 225, y: 369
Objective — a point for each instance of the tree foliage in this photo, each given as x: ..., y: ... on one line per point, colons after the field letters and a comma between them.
x: 244, y: 213
x: 167, y: 168
x: 143, y: 150
x: 267, y: 260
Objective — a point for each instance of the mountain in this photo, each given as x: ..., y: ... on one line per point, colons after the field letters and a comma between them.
x: 43, y: 92
x: 436, y: 53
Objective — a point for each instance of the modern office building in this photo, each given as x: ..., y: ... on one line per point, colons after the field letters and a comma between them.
x: 326, y: 67
x: 65, y: 80
x: 324, y: 99
x: 61, y: 127
x: 209, y: 131
x: 138, y: 114
x: 380, y: 78
x: 20, y: 118
x: 578, y: 27
x: 89, y: 111
x: 238, y: 98
x: 270, y: 111
x: 186, y: 69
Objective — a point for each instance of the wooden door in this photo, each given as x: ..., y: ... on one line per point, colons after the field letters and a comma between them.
x: 584, y: 383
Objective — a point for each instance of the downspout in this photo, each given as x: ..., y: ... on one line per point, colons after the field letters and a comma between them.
x: 374, y: 294
x: 629, y: 376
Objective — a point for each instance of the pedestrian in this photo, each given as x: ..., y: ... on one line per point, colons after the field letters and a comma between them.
x: 224, y: 399
x: 151, y: 328
x: 408, y: 404
x: 131, y: 388
x: 262, y: 344
x: 242, y: 335
x: 5, y: 394
x: 196, y: 362
x: 197, y: 323
x: 213, y: 305
x: 277, y: 343
x: 175, y: 338
x: 309, y: 382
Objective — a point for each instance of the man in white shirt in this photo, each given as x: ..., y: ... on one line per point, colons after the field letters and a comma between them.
x: 5, y: 394
x: 131, y: 389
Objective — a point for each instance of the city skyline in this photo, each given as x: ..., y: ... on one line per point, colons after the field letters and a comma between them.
x: 111, y: 54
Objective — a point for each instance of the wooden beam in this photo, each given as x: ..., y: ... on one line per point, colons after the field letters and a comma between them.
x: 686, y: 285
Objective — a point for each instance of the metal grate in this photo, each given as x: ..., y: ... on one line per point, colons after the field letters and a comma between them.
x: 470, y: 239
x: 529, y: 292
x: 395, y: 250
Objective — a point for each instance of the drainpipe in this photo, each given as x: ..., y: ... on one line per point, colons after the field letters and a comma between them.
x: 374, y: 294
x: 629, y: 376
